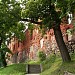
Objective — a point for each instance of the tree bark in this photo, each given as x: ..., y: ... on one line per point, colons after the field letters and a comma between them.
x: 3, y: 60
x: 0, y: 42
x: 60, y: 42
x: 31, y: 21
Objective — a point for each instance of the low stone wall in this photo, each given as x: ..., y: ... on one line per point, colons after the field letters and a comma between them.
x: 33, y: 69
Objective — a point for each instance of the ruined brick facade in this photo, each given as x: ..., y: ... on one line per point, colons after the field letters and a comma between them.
x: 29, y: 47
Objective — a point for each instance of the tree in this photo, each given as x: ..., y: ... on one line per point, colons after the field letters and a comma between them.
x: 3, y: 51
x: 10, y: 24
x: 13, y: 13
x: 51, y: 13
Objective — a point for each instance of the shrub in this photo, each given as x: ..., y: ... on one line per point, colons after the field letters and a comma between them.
x: 42, y: 56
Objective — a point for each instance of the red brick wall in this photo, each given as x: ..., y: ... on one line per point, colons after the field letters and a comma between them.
x: 34, y: 41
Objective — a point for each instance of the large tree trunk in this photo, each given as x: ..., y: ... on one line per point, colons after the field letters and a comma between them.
x: 0, y: 42
x: 62, y: 47
x: 3, y: 60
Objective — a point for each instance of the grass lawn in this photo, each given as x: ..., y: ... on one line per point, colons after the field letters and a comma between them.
x: 15, y: 69
x: 54, y: 66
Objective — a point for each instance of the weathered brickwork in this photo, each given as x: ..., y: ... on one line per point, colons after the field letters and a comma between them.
x: 29, y: 47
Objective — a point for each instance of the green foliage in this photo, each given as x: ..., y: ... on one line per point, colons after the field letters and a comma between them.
x: 18, y: 31
x: 31, y: 10
x: 5, y: 49
x: 10, y: 16
x: 49, y: 11
x: 31, y: 27
x: 11, y: 13
x: 42, y: 55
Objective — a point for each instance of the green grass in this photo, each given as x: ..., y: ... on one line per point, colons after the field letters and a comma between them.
x: 15, y: 69
x: 33, y: 62
x: 53, y: 65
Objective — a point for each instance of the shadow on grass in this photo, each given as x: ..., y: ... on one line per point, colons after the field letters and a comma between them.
x: 48, y: 62
x: 64, y: 67
x: 53, y: 66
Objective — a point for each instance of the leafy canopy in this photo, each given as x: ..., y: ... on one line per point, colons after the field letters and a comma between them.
x: 49, y: 11
x: 10, y: 16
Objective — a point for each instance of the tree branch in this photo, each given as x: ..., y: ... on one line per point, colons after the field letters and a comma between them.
x: 0, y: 42
x: 31, y: 21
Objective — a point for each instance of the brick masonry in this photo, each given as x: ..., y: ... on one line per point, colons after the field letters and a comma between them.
x: 29, y: 47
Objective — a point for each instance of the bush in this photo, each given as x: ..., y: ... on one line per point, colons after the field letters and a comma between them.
x: 42, y: 56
